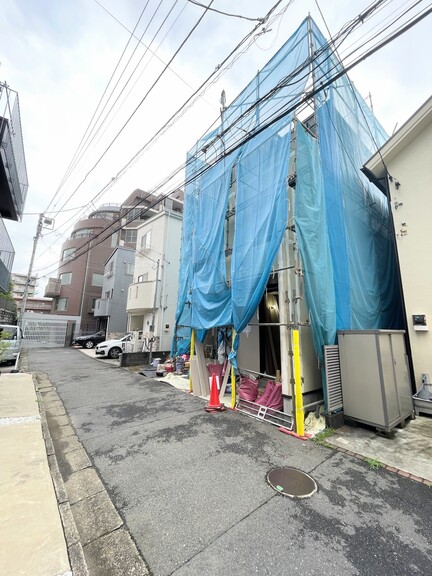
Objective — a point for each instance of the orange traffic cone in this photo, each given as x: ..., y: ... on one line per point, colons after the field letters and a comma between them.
x: 214, y: 404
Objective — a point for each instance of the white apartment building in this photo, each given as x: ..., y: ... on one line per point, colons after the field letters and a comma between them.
x: 152, y: 297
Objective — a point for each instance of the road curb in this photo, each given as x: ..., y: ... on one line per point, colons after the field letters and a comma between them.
x: 96, y: 537
x: 73, y: 545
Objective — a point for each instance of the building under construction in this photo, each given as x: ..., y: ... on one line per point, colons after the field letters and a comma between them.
x: 284, y: 238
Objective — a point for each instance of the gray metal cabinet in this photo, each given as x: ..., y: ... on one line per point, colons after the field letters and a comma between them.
x: 376, y: 385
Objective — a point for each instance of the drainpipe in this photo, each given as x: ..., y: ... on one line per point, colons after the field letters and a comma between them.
x: 85, y: 279
x: 163, y: 295
x: 152, y: 327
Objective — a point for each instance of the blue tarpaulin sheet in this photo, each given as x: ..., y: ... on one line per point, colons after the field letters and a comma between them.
x: 314, y: 246
x: 342, y: 222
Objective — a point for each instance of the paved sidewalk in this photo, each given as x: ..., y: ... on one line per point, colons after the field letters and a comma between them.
x: 409, y: 452
x: 148, y: 482
x: 190, y: 487
x: 32, y: 541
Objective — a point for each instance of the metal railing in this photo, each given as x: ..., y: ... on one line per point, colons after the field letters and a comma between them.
x: 12, y: 145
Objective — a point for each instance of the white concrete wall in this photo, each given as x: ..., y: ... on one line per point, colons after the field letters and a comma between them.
x: 165, y: 246
x: 412, y: 168
x: 168, y: 285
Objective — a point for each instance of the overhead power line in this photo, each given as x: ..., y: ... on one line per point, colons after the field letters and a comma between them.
x: 154, y: 53
x: 210, y: 80
x: 100, y: 122
x: 71, y: 164
x: 286, y: 109
x: 226, y: 13
x: 194, y: 27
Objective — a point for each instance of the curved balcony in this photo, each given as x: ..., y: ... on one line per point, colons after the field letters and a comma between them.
x: 141, y: 297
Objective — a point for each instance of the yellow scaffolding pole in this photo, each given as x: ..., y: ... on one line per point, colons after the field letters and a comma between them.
x: 233, y: 380
x: 192, y: 352
x: 298, y: 396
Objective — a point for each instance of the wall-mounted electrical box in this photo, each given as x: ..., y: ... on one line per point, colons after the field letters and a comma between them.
x: 419, y: 322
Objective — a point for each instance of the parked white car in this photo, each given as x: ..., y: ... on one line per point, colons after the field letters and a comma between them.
x: 10, y: 342
x: 112, y: 348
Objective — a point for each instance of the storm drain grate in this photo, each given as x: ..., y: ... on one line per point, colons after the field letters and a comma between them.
x: 291, y: 482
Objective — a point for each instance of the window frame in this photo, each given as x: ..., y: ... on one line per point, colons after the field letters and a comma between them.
x: 133, y: 232
x: 146, y: 241
x: 66, y: 301
x: 100, y: 277
x: 61, y: 278
x: 72, y: 254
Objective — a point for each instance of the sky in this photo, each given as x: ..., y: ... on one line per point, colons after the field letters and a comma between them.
x: 60, y: 57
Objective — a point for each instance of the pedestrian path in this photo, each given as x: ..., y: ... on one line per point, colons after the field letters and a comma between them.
x: 408, y: 452
x: 31, y: 534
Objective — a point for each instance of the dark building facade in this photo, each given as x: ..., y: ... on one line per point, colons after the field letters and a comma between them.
x: 13, y: 176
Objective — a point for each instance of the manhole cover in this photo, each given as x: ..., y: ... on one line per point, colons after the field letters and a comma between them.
x: 291, y: 482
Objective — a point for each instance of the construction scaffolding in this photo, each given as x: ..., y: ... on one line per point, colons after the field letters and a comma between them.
x: 282, y: 234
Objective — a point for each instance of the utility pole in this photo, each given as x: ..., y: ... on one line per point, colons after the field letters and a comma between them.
x: 84, y: 292
x: 28, y: 280
x: 152, y: 327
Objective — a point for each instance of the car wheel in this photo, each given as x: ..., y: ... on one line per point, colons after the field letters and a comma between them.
x: 89, y: 344
x: 114, y: 352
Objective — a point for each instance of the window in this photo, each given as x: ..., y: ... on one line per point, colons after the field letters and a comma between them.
x: 136, y: 214
x: 131, y: 236
x: 83, y: 233
x: 62, y: 304
x: 69, y: 253
x: 104, y: 215
x: 93, y: 304
x: 65, y: 278
x: 143, y: 277
x: 109, y: 293
x: 97, y: 279
x: 146, y: 241
x: 129, y: 268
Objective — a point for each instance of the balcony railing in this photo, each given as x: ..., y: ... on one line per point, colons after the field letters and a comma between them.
x: 103, y: 307
x: 7, y: 254
x: 141, y: 296
x: 13, y: 170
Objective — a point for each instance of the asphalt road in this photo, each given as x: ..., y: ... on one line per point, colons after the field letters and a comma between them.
x: 191, y: 486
